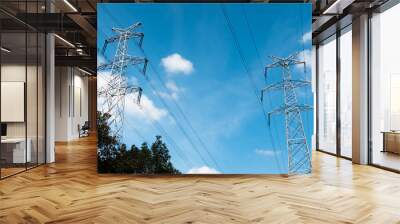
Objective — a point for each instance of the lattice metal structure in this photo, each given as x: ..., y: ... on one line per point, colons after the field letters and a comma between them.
x: 116, y: 86
x: 299, y: 155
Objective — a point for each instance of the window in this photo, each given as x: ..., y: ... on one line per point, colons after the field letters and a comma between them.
x: 385, y: 89
x: 345, y: 92
x: 22, y: 90
x: 327, y: 95
x: 15, y: 150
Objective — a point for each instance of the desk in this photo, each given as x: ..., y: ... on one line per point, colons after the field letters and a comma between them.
x: 391, y: 141
x: 15, y: 148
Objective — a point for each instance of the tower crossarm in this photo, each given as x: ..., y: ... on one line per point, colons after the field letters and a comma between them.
x: 287, y: 109
x: 270, y: 66
x: 127, y: 33
x: 116, y: 87
x: 279, y: 62
x: 115, y: 38
x: 134, y: 89
x: 129, y: 60
x: 296, y: 139
x: 121, y: 91
x: 134, y: 60
x: 131, y: 28
x: 280, y: 85
x: 105, y: 66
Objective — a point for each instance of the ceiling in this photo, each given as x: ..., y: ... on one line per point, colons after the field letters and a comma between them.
x: 75, y: 21
x: 332, y: 15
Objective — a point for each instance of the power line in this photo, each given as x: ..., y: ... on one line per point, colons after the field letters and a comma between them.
x: 304, y: 58
x: 302, y: 41
x: 116, y: 88
x: 178, y: 107
x: 183, y: 113
x: 181, y: 128
x: 173, y: 143
x: 178, y: 149
x: 176, y: 120
x: 135, y: 130
x: 252, y: 36
x: 298, y: 151
x: 158, y: 126
x: 270, y: 134
x: 244, y: 63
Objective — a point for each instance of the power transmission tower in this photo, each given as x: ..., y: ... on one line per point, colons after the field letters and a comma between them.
x: 116, y: 86
x: 299, y: 156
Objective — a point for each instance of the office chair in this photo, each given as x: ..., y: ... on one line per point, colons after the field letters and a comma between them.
x: 84, y: 130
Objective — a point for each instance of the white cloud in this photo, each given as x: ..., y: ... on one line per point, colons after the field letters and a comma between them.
x: 175, y: 64
x: 306, y: 56
x: 100, y: 60
x: 132, y: 80
x: 102, y: 78
x: 266, y: 152
x: 168, y: 96
x: 172, y: 86
x: 146, y: 110
x: 173, y: 92
x: 203, y: 170
x: 306, y: 37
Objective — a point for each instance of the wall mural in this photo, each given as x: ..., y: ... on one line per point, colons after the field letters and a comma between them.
x: 204, y: 88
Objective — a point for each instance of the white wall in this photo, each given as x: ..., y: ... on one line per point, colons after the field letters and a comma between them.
x: 61, y: 103
x: 13, y: 101
x: 71, y: 87
x: 81, y: 85
x: 33, y: 126
x: 17, y: 73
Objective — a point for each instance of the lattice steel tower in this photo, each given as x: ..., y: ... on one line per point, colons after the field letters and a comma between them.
x: 115, y: 85
x: 299, y: 155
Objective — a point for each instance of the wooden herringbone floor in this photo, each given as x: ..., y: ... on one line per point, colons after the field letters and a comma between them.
x: 70, y: 191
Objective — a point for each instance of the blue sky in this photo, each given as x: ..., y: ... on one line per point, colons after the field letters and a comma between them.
x: 192, y: 49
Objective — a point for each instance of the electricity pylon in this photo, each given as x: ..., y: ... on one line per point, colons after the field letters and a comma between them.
x: 299, y: 156
x: 116, y: 86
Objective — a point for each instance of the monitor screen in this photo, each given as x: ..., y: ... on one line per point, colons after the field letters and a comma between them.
x: 3, y: 129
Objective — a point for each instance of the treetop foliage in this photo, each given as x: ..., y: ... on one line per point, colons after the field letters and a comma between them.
x: 114, y: 156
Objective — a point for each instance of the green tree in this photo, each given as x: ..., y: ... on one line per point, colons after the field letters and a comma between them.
x: 161, y: 158
x: 105, y: 140
x: 134, y: 156
x: 115, y: 157
x: 106, y: 143
x: 122, y: 160
x: 145, y: 159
